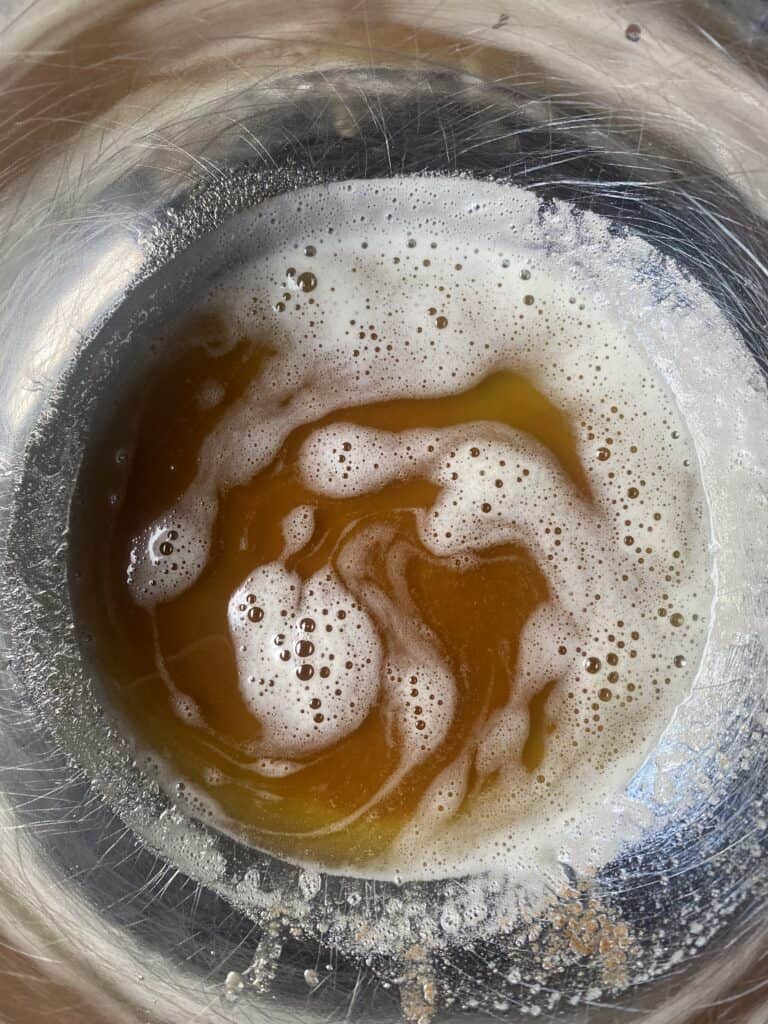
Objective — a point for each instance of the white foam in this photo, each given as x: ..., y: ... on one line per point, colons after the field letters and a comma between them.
x: 308, y: 658
x: 298, y: 526
x: 370, y: 331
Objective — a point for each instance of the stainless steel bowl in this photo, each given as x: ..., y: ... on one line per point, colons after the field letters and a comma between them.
x: 130, y: 132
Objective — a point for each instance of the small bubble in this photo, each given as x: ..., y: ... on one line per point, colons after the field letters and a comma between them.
x: 633, y: 33
x: 411, y: 243
x: 304, y: 672
x: 528, y: 300
x: 474, y: 452
x: 676, y: 619
x: 441, y: 321
x: 304, y: 648
x: 612, y: 659
x: 308, y: 625
x: 603, y: 454
x: 319, y: 717
x: 679, y: 661
x: 255, y: 614
x: 166, y: 548
x: 310, y: 250
x: 525, y: 275
x: 604, y: 693
x: 633, y: 492
x: 315, y: 703
x: 485, y: 506
x: 592, y: 664
x: 279, y: 307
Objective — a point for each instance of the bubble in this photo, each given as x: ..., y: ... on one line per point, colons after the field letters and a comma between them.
x: 592, y: 664
x: 633, y: 33
x: 255, y: 614
x: 603, y: 454
x: 676, y: 619
x: 306, y: 281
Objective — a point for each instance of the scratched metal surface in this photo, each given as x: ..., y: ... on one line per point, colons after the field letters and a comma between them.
x: 119, y: 117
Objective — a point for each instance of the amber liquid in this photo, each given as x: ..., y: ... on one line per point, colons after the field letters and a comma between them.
x: 473, y: 616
